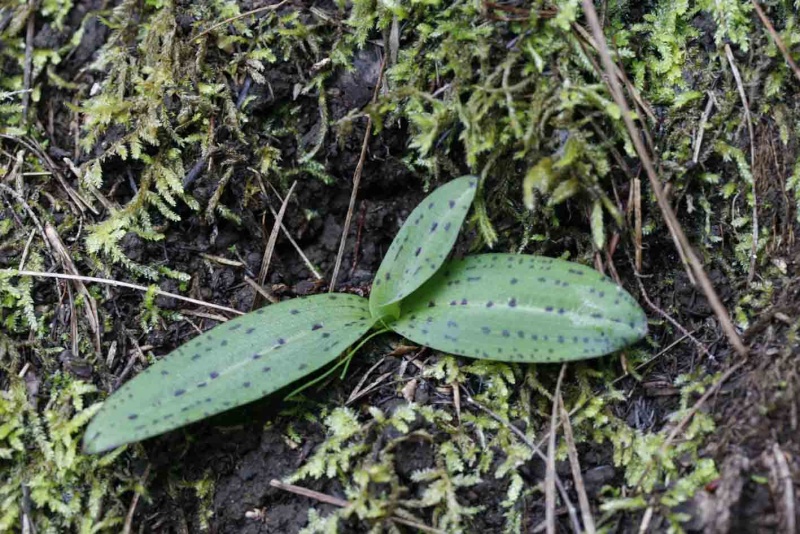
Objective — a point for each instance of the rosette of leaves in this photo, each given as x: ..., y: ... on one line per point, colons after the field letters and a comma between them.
x: 507, y: 307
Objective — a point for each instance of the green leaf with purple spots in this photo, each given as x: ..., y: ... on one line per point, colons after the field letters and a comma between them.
x: 521, y: 308
x: 422, y: 245
x: 235, y: 363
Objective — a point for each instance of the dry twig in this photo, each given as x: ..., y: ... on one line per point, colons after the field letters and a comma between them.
x: 749, y: 119
x: 27, y: 74
x: 272, y: 7
x: 777, y: 38
x: 127, y: 528
x: 537, y: 450
x: 550, y: 472
x: 784, y: 482
x: 89, y: 304
x: 273, y: 238
x: 688, y: 417
x: 341, y: 503
x: 681, y: 242
x: 286, y: 233
x: 356, y: 181
x: 39, y: 274
x: 575, y: 465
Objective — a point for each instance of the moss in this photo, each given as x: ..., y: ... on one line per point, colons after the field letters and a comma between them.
x: 48, y: 484
x: 511, y: 96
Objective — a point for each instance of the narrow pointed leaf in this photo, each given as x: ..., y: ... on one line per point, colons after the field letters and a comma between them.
x: 233, y: 364
x: 521, y: 308
x: 422, y: 244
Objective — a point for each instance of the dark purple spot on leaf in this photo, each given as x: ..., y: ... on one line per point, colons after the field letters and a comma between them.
x: 316, y: 326
x: 180, y: 392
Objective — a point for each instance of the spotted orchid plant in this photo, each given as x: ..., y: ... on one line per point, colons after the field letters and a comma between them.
x: 508, y: 307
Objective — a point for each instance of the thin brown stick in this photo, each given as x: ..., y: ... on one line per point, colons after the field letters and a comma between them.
x: 777, y: 38
x: 668, y: 317
x: 273, y: 238
x: 651, y: 360
x: 356, y: 181
x: 637, y: 221
x: 681, y: 242
x: 32, y: 214
x: 127, y: 528
x: 784, y: 477
x: 341, y: 503
x: 701, y: 127
x: 646, y: 107
x: 550, y: 471
x: 260, y: 290
x: 286, y: 233
x: 116, y: 283
x: 537, y: 450
x: 240, y: 16
x: 688, y: 417
x: 749, y: 119
x: 27, y: 68
x: 644, y: 526
x: 575, y: 465
x: 89, y: 304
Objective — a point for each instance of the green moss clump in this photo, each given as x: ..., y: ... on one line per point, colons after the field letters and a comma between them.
x: 47, y: 483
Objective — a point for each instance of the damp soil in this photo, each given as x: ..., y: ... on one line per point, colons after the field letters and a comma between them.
x: 243, y: 450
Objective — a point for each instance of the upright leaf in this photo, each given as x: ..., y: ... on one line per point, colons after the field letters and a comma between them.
x: 233, y: 364
x: 521, y: 308
x: 422, y: 244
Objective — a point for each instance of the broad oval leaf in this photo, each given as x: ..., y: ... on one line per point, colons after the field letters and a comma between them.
x: 422, y: 244
x: 521, y: 308
x: 232, y: 364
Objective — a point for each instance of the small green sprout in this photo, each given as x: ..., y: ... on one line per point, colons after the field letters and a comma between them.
x: 506, y: 307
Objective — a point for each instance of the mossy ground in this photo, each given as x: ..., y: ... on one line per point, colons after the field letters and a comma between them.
x: 146, y: 141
